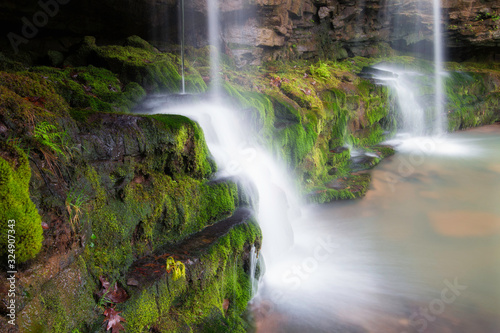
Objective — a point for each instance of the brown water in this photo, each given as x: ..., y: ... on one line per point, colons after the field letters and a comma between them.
x: 420, y: 253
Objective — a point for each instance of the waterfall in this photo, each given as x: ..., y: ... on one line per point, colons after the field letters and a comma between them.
x: 418, y: 115
x: 439, y: 115
x: 253, y: 270
x: 238, y: 153
x: 182, y: 47
x: 213, y: 40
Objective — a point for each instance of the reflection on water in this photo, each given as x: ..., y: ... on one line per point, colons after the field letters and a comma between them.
x: 420, y: 253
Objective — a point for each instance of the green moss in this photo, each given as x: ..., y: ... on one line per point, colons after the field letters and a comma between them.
x: 195, y: 304
x: 36, y: 89
x: 87, y: 87
x: 153, y: 71
x: 369, y: 136
x: 302, y: 94
x: 351, y: 187
x: 143, y: 313
x: 257, y: 106
x: 189, y: 142
x: 16, y: 205
x: 9, y: 65
x: 65, y: 303
x: 471, y: 101
x: 81, y: 114
x: 20, y: 112
x: 138, y: 42
x: 294, y: 142
x: 185, y: 206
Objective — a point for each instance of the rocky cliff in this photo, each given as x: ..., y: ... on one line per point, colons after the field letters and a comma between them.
x: 258, y: 30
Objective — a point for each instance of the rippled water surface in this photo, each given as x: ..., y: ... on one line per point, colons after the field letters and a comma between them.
x: 420, y: 253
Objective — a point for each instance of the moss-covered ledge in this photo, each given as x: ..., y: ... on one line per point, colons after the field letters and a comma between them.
x: 212, y: 296
x: 118, y: 187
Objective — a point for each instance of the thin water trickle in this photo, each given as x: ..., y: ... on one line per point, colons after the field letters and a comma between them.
x: 439, y: 115
x: 183, y: 26
x: 254, y: 258
x: 214, y: 42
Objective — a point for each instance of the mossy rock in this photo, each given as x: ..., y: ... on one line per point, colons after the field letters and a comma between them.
x: 35, y: 88
x: 217, y: 272
x: 345, y: 188
x: 472, y: 99
x: 9, y: 65
x: 91, y: 87
x: 153, y: 71
x: 64, y: 304
x: 16, y: 205
x: 20, y: 113
x: 138, y: 42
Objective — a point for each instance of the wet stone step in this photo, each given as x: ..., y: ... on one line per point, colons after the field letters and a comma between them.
x: 146, y: 270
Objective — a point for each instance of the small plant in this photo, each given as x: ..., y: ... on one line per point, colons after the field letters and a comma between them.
x: 484, y: 16
x: 321, y: 70
x: 74, y: 203
x: 177, y: 268
x: 93, y: 237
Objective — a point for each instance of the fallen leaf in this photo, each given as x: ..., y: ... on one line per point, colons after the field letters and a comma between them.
x: 114, y: 320
x: 225, y: 304
x: 114, y: 294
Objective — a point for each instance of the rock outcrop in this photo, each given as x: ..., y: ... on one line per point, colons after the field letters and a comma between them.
x: 253, y: 31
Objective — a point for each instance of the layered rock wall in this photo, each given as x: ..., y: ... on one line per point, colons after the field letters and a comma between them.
x: 256, y: 30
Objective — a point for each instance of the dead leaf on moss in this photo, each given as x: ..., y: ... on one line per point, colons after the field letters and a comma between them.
x: 114, y: 320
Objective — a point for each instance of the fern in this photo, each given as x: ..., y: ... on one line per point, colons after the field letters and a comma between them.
x: 321, y: 70
x: 48, y: 136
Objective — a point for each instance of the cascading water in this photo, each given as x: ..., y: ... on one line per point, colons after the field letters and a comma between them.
x: 253, y: 269
x: 182, y: 47
x: 237, y: 153
x: 412, y: 120
x: 419, y: 116
x: 213, y: 39
x: 440, y: 125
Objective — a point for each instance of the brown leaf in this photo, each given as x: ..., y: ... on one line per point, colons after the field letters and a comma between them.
x: 38, y: 101
x: 225, y: 304
x: 114, y: 319
x: 114, y: 294
x: 276, y: 81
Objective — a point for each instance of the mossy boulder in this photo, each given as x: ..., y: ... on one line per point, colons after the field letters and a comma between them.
x: 17, y: 211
